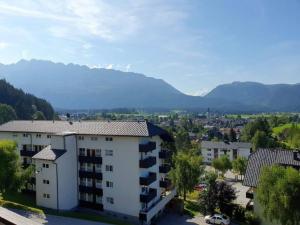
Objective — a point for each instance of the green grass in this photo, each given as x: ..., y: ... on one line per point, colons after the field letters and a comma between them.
x: 191, y: 208
x: 27, y: 203
x: 277, y: 130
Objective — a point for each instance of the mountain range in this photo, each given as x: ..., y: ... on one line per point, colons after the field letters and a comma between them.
x: 80, y: 87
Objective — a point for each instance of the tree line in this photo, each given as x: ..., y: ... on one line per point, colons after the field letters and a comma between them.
x: 16, y: 104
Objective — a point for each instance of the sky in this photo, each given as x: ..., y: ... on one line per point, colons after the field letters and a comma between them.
x: 193, y: 45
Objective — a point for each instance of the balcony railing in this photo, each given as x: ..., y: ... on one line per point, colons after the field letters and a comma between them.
x: 166, y: 183
x: 165, y: 154
x: 91, y: 205
x: 91, y: 190
x: 27, y: 153
x: 150, y: 146
x: 148, y: 180
x: 148, y: 197
x: 148, y: 162
x: 90, y: 174
x: 90, y: 159
x: 165, y: 168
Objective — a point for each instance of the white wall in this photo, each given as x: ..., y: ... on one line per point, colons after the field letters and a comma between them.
x: 41, y: 188
x: 67, y: 174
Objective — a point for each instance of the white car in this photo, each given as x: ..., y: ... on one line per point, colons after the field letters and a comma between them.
x: 217, y: 219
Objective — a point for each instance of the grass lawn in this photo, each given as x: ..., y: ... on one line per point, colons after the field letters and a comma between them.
x: 191, y: 206
x: 26, y: 202
x: 277, y: 130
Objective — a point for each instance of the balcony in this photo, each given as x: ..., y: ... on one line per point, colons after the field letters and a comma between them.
x: 152, y: 210
x: 90, y: 190
x: 150, y: 146
x: 148, y: 180
x: 148, y: 197
x: 91, y: 205
x: 90, y: 159
x: 148, y: 162
x: 165, y: 154
x: 249, y: 193
x: 166, y: 183
x: 27, y: 153
x: 90, y: 174
x: 165, y: 168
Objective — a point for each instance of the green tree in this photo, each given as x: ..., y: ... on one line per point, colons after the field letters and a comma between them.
x: 232, y: 135
x: 7, y: 113
x: 222, y: 164
x: 38, y: 115
x: 239, y: 165
x: 12, y: 176
x: 260, y: 124
x: 182, y: 140
x: 225, y: 195
x: 260, y: 140
x: 278, y: 193
x: 186, y: 173
x: 208, y: 197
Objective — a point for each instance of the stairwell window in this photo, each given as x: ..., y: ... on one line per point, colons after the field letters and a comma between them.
x: 46, y: 195
x: 81, y: 138
x: 110, y: 200
x: 109, y: 152
x: 109, y: 168
x: 109, y: 184
x: 45, y: 165
x: 46, y: 181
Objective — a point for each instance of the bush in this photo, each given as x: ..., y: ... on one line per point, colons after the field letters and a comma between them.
x: 239, y: 213
x: 251, y: 219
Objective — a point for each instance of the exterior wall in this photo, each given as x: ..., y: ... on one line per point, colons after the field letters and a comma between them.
x: 208, y: 155
x: 67, y: 175
x: 125, y: 176
x: 41, y: 188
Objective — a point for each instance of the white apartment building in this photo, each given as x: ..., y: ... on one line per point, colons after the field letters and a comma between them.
x: 211, y: 150
x: 116, y: 167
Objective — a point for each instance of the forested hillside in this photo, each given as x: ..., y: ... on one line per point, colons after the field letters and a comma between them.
x: 24, y: 105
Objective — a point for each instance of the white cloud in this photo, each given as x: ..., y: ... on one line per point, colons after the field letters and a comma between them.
x: 109, y: 66
x: 87, y: 46
x: 3, y: 45
x: 128, y: 66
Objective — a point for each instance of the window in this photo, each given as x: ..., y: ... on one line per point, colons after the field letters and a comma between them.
x: 98, y: 152
x: 45, y: 165
x: 109, y: 152
x: 48, y: 136
x: 208, y: 154
x: 109, y: 168
x: 82, y: 151
x: 110, y: 200
x: 208, y: 149
x: 98, y: 167
x: 108, y: 139
x: 46, y: 195
x: 46, y: 181
x: 81, y: 138
x: 109, y: 184
x: 25, y: 135
x: 38, y: 135
x: 94, y: 138
x: 15, y: 135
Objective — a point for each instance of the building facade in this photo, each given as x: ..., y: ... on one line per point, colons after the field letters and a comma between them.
x: 116, y: 167
x: 211, y: 150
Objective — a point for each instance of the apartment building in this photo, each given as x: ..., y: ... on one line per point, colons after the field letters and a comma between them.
x: 211, y: 150
x: 116, y: 167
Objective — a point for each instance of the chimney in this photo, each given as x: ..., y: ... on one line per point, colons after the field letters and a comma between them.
x: 297, y: 155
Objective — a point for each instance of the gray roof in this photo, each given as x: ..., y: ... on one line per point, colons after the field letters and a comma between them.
x: 225, y: 145
x: 267, y: 157
x: 113, y: 128
x: 10, y: 217
x: 49, y: 154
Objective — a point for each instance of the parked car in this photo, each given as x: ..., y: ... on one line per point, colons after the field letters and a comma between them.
x: 217, y: 219
x: 200, y: 187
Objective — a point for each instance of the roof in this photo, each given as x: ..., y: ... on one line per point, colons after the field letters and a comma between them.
x: 49, y: 154
x: 9, y: 217
x: 267, y: 157
x: 225, y: 145
x: 113, y: 128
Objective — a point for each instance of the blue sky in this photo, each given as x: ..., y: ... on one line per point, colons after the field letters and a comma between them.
x: 192, y: 44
